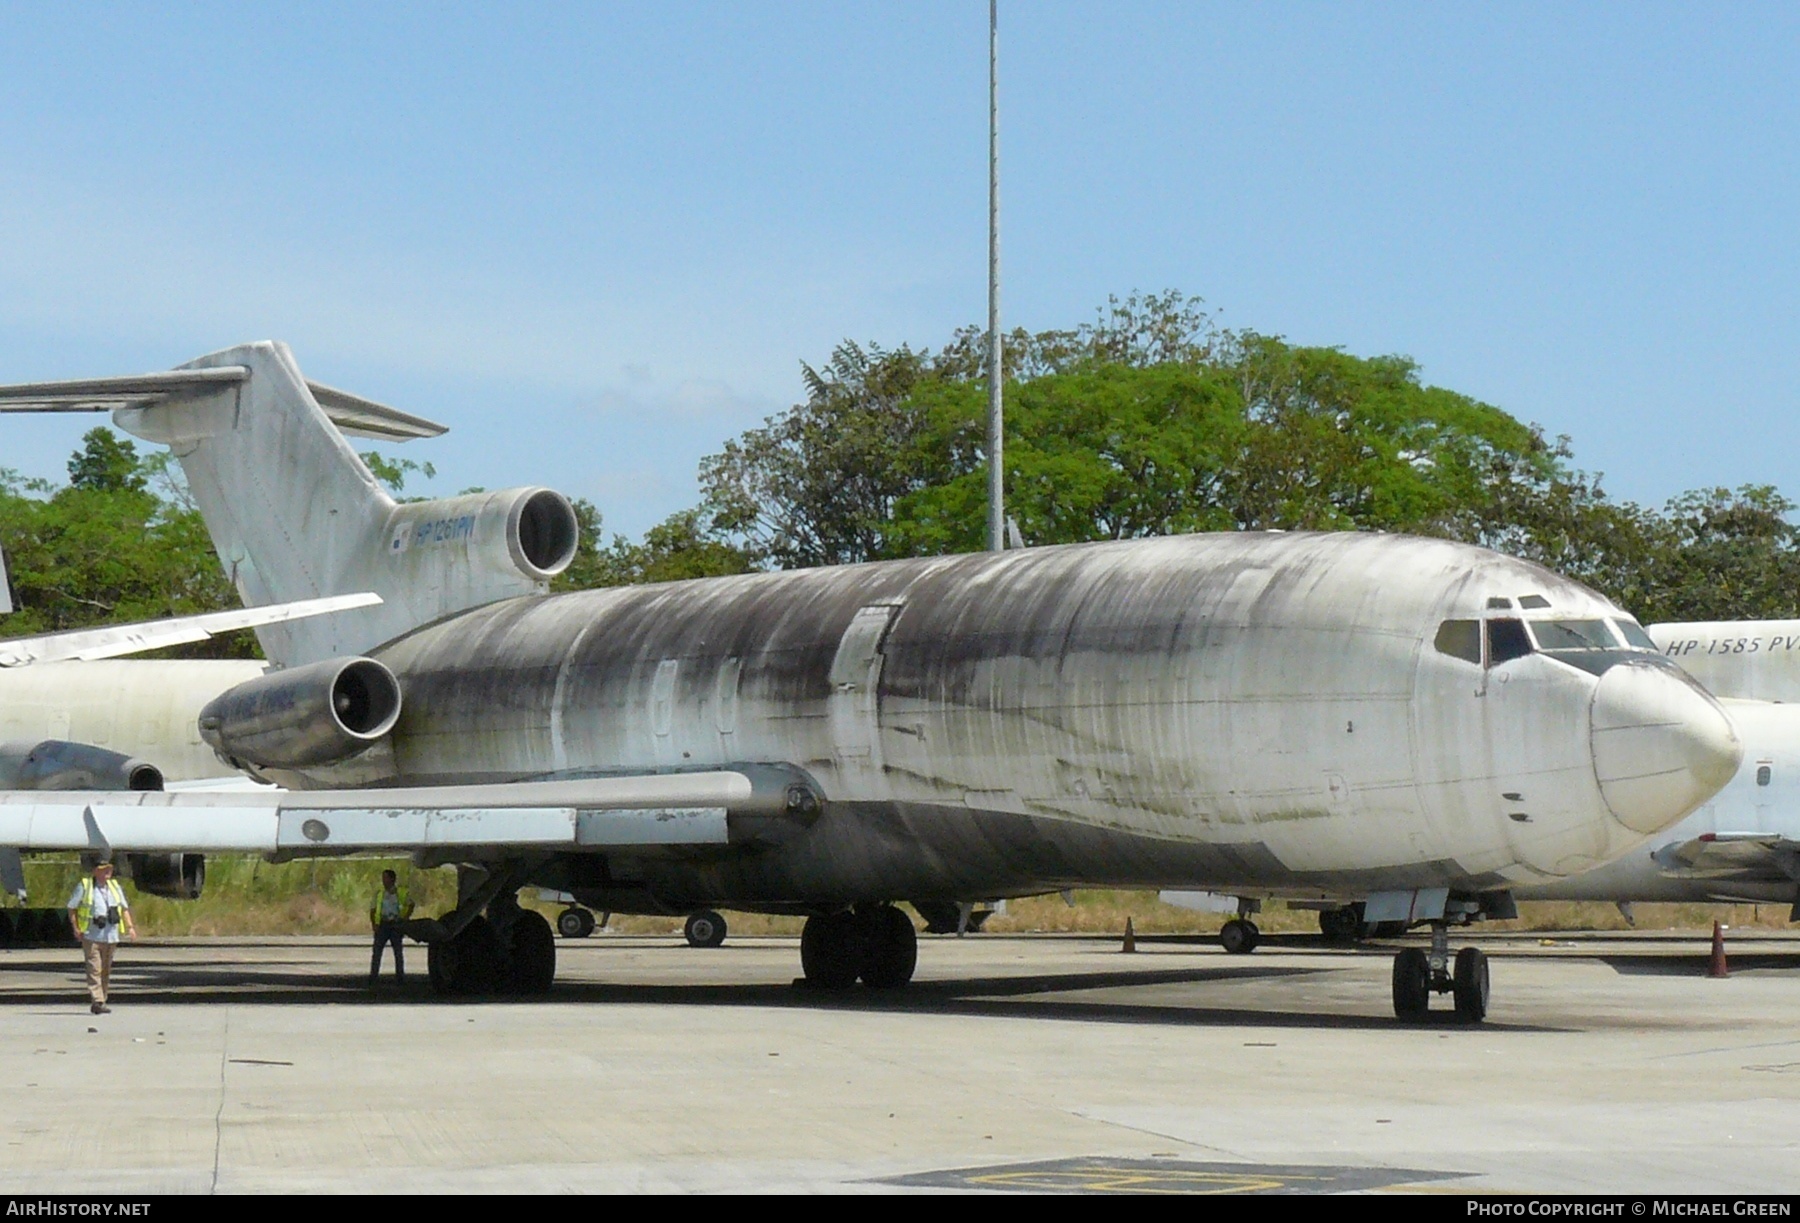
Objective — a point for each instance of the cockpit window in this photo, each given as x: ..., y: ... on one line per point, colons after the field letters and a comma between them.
x: 1460, y: 639
x: 1533, y: 601
x: 1573, y: 635
x: 1634, y: 634
x: 1506, y: 641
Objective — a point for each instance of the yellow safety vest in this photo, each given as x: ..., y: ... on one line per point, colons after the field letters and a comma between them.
x: 406, y: 905
x: 84, y: 909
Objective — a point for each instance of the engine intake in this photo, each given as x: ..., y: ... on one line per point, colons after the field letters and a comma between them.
x: 527, y: 532
x: 56, y: 764
x: 314, y: 715
x: 171, y: 876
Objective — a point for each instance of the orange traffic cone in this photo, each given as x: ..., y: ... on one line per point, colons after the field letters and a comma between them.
x: 1130, y: 937
x: 1716, y: 966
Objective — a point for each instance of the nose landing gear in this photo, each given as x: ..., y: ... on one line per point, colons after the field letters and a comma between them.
x: 1419, y: 974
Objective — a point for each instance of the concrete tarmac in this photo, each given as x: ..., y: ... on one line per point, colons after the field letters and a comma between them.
x: 1609, y: 1064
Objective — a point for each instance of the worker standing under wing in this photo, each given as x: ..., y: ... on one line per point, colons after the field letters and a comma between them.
x: 97, y: 909
x: 387, y: 916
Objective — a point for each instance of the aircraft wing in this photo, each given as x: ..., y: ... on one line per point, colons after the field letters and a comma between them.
x: 116, y: 640
x: 1740, y: 857
x: 352, y: 414
x: 600, y: 812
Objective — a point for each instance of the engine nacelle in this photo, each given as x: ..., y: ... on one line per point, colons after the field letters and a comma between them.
x: 519, y: 532
x: 171, y: 876
x: 56, y: 764
x: 314, y: 715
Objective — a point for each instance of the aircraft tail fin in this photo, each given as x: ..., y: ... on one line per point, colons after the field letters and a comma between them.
x: 6, y: 603
x: 295, y: 514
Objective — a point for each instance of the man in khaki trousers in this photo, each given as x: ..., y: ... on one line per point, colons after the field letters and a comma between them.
x: 97, y: 909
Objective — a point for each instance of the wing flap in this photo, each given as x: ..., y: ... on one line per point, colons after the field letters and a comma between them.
x: 675, y: 809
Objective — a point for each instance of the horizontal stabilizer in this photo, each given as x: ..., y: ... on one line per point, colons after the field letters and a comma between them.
x: 361, y: 417
x: 109, y: 394
x: 352, y: 414
x: 117, y: 640
x: 658, y: 809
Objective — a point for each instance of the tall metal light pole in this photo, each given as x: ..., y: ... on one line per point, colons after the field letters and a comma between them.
x: 996, y: 522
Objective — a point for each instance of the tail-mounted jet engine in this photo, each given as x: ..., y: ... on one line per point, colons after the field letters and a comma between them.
x: 314, y: 715
x: 518, y: 532
x: 171, y: 876
x: 56, y: 764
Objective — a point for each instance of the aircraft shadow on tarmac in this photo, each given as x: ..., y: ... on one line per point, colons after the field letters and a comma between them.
x: 143, y: 978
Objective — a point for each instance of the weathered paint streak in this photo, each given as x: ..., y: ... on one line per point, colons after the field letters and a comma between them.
x: 1244, y: 709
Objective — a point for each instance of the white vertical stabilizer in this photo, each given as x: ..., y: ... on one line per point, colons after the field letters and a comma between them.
x: 295, y: 514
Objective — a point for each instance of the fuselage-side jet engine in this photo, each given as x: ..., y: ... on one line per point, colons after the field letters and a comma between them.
x: 1309, y: 714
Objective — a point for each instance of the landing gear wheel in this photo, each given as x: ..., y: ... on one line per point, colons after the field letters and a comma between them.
x: 705, y: 929
x: 531, y: 968
x: 831, y: 950
x: 467, y: 964
x: 1470, y: 985
x: 1412, y: 984
x: 891, y: 948
x: 1343, y: 924
x: 575, y: 922
x: 1239, y: 937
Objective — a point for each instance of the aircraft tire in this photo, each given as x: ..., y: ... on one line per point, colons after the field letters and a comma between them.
x: 1470, y: 987
x: 892, y: 949
x: 1239, y: 937
x: 704, y: 929
x: 831, y: 950
x: 468, y: 964
x: 531, y: 968
x: 1343, y: 924
x: 1412, y: 985
x: 575, y: 922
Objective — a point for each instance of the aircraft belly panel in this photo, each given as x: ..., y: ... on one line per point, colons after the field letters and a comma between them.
x: 908, y: 851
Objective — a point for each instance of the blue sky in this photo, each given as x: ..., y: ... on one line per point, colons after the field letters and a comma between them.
x: 597, y: 240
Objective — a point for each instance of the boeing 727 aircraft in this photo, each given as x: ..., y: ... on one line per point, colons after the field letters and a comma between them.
x: 1412, y: 721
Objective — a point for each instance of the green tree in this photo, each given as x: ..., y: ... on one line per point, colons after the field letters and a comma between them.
x: 106, y: 548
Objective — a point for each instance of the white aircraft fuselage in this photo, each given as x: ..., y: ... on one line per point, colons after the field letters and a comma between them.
x: 142, y: 707
x: 1285, y: 712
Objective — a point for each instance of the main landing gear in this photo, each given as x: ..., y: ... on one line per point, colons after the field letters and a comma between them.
x: 872, y: 943
x: 504, y: 950
x: 1418, y: 974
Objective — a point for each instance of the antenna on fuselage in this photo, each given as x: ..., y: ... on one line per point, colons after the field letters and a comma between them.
x: 996, y: 521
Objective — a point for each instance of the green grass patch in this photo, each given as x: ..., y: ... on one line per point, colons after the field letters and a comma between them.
x: 246, y: 896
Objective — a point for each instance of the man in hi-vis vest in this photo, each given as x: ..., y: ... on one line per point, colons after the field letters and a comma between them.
x: 97, y: 909
x: 392, y: 907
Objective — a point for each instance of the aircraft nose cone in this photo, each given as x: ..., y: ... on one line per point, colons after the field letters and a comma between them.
x: 1661, y: 746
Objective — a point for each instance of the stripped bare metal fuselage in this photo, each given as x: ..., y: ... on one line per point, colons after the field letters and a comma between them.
x: 1249, y: 711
